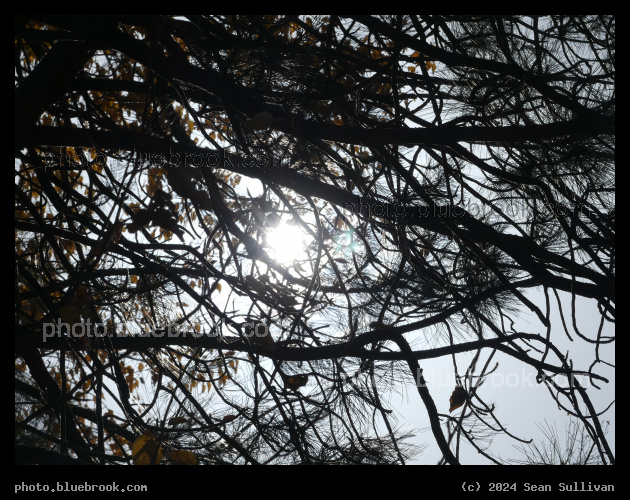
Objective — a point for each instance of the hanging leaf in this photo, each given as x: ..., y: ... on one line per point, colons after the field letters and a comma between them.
x: 295, y: 381
x: 458, y: 398
x: 146, y: 450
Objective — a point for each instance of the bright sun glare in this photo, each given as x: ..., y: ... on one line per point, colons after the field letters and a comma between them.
x: 286, y: 243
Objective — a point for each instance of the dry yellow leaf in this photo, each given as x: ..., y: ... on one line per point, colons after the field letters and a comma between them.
x: 146, y: 450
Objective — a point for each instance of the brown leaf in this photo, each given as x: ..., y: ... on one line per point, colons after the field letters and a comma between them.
x: 295, y: 381
x: 183, y: 457
x: 458, y: 398
x: 177, y: 420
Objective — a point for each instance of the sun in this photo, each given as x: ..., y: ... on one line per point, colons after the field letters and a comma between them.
x: 286, y: 242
